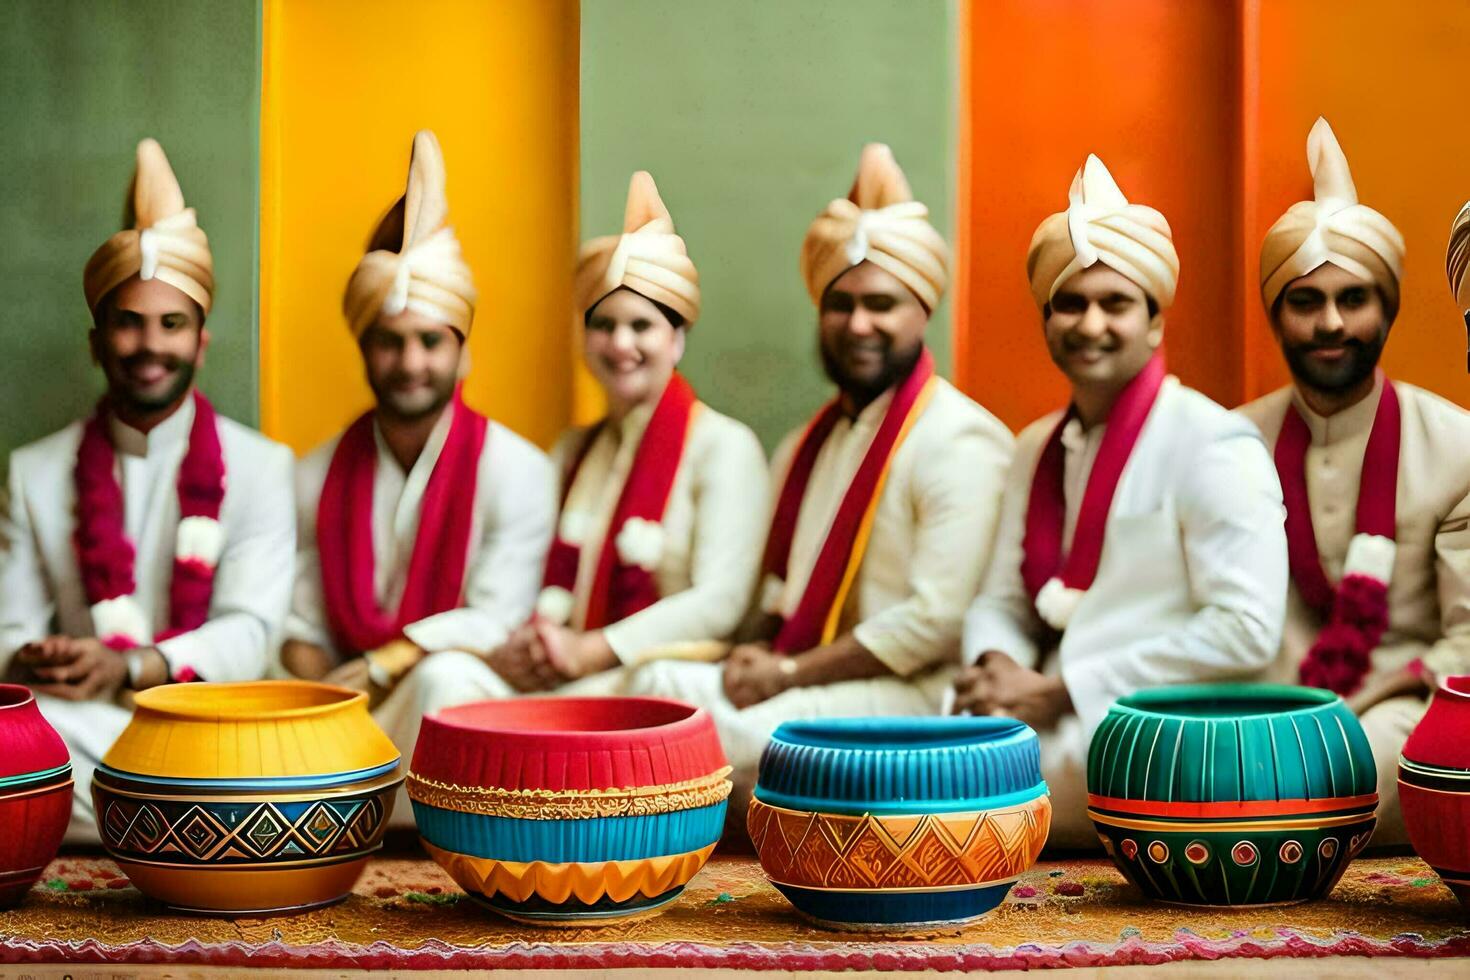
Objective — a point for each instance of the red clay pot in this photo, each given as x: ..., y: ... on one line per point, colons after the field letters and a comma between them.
x: 568, y: 744
x: 1434, y: 785
x: 35, y: 793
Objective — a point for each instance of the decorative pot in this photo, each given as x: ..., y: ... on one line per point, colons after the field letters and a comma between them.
x: 1434, y: 785
x: 570, y: 811
x: 1232, y: 794
x: 35, y: 793
x: 899, y: 824
x: 246, y: 799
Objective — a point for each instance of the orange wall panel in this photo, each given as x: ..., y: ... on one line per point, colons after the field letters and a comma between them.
x: 346, y: 85
x: 1390, y: 78
x: 1149, y: 88
x: 1202, y: 111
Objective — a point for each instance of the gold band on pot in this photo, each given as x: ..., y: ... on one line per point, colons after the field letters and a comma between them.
x: 547, y: 804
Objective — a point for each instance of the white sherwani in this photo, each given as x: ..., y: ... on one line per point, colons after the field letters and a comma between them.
x: 1429, y: 591
x: 929, y: 546
x: 509, y: 534
x: 41, y: 588
x: 711, y: 553
x: 1190, y: 587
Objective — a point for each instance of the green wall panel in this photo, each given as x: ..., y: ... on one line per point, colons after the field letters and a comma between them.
x: 751, y: 115
x: 82, y: 82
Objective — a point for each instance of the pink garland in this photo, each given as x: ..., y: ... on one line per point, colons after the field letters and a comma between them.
x: 619, y: 588
x: 1343, y: 652
x: 1357, y: 610
x: 105, y: 556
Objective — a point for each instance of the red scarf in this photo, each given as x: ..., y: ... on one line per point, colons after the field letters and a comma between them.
x: 621, y: 588
x: 815, y: 619
x: 1357, y: 609
x: 344, y: 532
x: 105, y: 556
x: 1046, y: 510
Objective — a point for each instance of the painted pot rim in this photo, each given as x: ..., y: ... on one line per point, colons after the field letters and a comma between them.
x: 1456, y: 687
x: 560, y: 719
x: 15, y: 696
x: 248, y: 784
x: 880, y: 734
x: 1175, y: 701
x: 247, y: 700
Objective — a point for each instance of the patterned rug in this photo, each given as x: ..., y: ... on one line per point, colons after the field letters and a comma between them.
x: 406, y: 914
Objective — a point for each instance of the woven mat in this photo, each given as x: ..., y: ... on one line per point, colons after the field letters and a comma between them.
x: 406, y: 914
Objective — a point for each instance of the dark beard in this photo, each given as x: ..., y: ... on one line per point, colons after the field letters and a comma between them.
x: 140, y: 404
x: 897, y: 365
x: 1335, y: 379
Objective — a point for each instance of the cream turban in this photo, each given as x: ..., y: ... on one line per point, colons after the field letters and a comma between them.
x: 879, y: 222
x: 1457, y: 259
x: 165, y: 242
x: 649, y: 257
x: 1333, y: 227
x: 413, y: 260
x: 1100, y: 225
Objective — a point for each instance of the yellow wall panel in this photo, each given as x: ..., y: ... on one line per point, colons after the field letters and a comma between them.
x: 346, y: 84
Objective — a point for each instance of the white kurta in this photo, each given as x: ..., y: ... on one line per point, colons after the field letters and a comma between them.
x: 706, y: 572
x: 1190, y: 586
x: 41, y: 588
x: 1429, y: 591
x: 929, y: 546
x: 509, y: 533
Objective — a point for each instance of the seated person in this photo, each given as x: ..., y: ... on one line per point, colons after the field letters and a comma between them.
x: 1374, y: 473
x: 884, y: 504
x: 1140, y: 539
x: 423, y: 526
x: 151, y: 542
x: 658, y: 543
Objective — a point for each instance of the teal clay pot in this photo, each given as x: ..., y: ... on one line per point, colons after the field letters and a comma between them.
x: 1232, y: 794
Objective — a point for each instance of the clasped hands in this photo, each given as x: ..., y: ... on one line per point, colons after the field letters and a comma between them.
x: 71, y: 668
x: 542, y: 656
x: 997, y: 685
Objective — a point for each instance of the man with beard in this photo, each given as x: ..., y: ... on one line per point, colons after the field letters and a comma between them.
x: 422, y: 527
x: 152, y: 542
x: 884, y: 504
x: 1374, y: 473
x: 1140, y: 541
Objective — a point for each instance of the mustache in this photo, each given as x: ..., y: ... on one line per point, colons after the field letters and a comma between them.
x: 1324, y: 343
x: 146, y: 359
x: 1074, y: 342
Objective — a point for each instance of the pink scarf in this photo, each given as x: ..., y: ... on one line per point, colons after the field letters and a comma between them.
x: 344, y: 533
x: 1357, y: 609
x: 105, y: 556
x: 622, y: 587
x: 1042, y: 563
x: 816, y: 614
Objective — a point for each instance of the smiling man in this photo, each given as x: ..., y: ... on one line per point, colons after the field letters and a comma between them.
x: 1374, y: 472
x: 884, y: 504
x: 1140, y: 541
x: 152, y: 542
x: 423, y: 526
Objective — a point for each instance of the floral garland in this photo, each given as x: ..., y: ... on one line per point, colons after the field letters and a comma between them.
x: 105, y: 556
x: 1356, y: 609
x: 1057, y: 584
x: 624, y: 582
